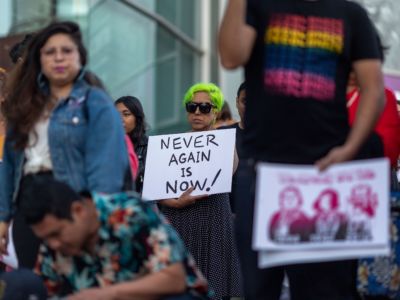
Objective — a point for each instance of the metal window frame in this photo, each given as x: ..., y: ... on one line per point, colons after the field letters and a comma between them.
x: 165, y: 24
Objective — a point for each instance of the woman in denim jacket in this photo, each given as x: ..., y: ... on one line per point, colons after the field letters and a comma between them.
x: 58, y: 125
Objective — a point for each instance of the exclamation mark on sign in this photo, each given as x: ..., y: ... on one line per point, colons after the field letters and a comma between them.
x: 215, y: 179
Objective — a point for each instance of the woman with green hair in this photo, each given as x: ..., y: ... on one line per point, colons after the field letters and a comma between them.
x: 205, y: 222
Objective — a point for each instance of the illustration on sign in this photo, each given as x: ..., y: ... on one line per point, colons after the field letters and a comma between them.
x: 297, y: 207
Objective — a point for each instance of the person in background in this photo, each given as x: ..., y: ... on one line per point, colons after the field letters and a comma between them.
x: 106, y: 247
x: 134, y: 122
x: 385, y: 140
x: 239, y: 126
x: 205, y: 222
x: 57, y: 124
x: 224, y: 117
x: 297, y: 57
x: 388, y: 124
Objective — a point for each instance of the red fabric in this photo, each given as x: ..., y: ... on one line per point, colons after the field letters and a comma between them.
x: 133, y: 160
x: 387, y: 127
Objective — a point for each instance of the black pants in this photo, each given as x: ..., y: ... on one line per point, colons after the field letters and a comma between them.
x: 22, y: 285
x: 311, y: 281
x: 25, y: 242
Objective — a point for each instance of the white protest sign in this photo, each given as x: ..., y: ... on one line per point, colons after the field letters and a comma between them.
x: 176, y: 162
x: 298, y: 207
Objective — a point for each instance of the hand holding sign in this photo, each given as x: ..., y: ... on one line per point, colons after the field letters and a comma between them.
x: 184, y: 200
x: 336, y: 155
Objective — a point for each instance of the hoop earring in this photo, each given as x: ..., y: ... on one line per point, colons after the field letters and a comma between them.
x: 41, y: 81
x: 81, y: 73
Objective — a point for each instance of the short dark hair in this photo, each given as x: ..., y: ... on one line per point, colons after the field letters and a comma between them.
x: 17, y: 51
x: 41, y: 195
x: 242, y: 87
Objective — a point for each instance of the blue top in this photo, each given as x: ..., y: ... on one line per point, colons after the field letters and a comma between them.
x: 87, y: 147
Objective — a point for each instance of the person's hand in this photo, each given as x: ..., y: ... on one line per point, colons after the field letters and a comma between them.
x: 184, y: 200
x: 336, y: 155
x: 3, y: 238
x: 106, y: 293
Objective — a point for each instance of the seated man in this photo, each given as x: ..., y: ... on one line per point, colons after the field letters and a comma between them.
x: 106, y: 246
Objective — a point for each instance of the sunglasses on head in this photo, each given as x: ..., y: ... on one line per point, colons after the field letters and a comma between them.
x: 204, y: 108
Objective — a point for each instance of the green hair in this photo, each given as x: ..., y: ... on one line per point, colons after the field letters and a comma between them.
x: 216, y: 96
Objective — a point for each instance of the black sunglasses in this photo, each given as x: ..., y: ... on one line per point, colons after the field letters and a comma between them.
x: 204, y: 108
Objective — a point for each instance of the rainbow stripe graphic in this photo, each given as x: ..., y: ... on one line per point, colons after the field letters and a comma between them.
x: 301, y: 55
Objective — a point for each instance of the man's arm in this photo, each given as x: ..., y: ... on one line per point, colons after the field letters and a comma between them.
x: 372, y: 99
x: 236, y: 38
x: 168, y: 281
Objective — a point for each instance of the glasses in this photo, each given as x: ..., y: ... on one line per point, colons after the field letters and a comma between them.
x: 53, y: 51
x: 204, y: 108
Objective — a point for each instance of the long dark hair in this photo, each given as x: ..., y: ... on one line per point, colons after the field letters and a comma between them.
x: 26, y: 101
x: 135, y: 107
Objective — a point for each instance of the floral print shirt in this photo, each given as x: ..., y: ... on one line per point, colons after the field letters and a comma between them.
x: 133, y: 241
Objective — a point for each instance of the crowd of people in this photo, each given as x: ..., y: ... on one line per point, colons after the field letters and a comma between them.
x: 73, y: 160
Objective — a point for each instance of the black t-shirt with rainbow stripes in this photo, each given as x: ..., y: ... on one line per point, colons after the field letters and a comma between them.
x: 297, y: 74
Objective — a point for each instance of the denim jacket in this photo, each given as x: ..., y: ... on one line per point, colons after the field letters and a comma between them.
x: 87, y: 147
